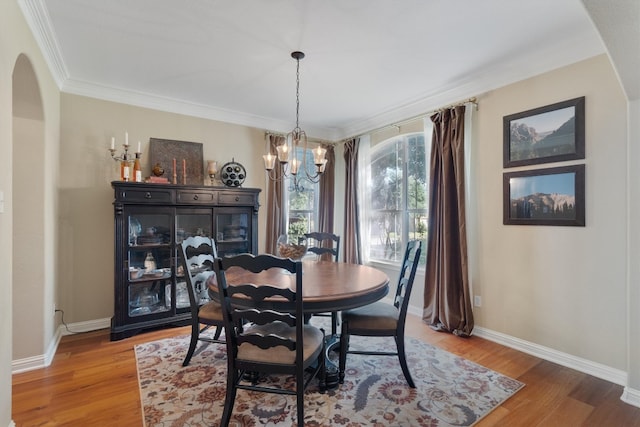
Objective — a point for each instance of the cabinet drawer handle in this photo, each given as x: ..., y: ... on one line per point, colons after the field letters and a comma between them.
x: 195, y: 197
x: 147, y: 195
x: 237, y: 198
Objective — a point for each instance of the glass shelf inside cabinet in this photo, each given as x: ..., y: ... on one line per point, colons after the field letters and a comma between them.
x: 149, y: 263
x: 149, y: 230
x: 192, y: 224
x: 233, y: 233
x: 149, y: 298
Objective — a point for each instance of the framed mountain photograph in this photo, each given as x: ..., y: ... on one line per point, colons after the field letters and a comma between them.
x: 552, y: 196
x: 552, y: 133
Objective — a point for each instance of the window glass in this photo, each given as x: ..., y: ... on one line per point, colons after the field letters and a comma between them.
x: 398, y: 197
x: 302, y: 200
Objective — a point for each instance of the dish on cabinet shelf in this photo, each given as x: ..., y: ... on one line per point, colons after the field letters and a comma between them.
x: 149, y: 240
x: 157, y: 274
x: 135, y: 273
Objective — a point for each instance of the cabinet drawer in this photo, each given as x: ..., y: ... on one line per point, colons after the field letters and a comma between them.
x: 229, y: 198
x: 204, y: 197
x: 145, y: 195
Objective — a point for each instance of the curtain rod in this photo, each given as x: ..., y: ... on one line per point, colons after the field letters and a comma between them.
x: 473, y: 100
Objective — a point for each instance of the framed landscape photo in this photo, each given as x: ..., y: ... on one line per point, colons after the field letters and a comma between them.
x: 547, y: 134
x: 552, y: 196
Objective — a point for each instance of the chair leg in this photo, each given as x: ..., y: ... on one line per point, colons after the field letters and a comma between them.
x: 300, y: 395
x: 219, y: 330
x: 322, y: 374
x: 230, y: 398
x: 403, y: 361
x: 334, y: 323
x: 195, y: 333
x: 344, y: 348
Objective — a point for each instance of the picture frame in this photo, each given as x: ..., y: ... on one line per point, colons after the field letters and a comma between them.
x: 552, y: 133
x: 551, y: 196
x: 163, y: 152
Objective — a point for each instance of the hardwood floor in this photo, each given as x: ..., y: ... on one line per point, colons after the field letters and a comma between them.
x: 93, y: 382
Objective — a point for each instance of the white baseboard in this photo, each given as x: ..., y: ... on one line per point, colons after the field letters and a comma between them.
x: 631, y: 396
x: 88, y: 326
x: 44, y: 360
x: 598, y: 370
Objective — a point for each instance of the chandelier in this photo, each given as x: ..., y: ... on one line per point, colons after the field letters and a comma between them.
x: 287, y: 152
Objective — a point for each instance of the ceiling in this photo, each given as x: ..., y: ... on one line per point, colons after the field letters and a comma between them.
x: 368, y: 62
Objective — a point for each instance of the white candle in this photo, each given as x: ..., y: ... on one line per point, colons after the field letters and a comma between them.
x: 113, y: 142
x: 126, y: 139
x: 139, y: 147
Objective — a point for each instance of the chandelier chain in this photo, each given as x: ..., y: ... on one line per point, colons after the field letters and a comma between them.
x: 297, y: 93
x: 295, y: 140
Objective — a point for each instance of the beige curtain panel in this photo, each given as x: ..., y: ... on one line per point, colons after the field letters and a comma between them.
x: 275, y: 215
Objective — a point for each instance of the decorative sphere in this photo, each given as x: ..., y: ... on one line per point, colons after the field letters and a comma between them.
x: 157, y: 170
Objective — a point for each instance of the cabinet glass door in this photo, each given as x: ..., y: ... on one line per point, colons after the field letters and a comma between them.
x: 149, y: 263
x: 193, y: 222
x: 233, y: 232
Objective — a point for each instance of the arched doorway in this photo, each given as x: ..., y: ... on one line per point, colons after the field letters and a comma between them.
x: 30, y: 316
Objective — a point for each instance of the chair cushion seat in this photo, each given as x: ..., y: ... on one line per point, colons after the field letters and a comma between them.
x: 378, y: 316
x: 313, y: 340
x: 210, y: 312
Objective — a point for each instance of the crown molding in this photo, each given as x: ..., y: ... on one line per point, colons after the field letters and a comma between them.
x: 176, y: 106
x: 37, y: 17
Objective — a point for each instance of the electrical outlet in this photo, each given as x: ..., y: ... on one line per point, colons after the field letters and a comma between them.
x: 477, y: 301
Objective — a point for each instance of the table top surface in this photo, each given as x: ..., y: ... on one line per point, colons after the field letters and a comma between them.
x: 327, y: 286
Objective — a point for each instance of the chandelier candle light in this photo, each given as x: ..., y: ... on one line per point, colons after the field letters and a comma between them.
x: 293, y: 140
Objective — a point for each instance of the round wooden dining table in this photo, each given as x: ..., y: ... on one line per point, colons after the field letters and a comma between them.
x: 327, y: 287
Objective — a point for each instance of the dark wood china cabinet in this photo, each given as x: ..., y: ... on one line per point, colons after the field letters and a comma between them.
x: 150, y: 221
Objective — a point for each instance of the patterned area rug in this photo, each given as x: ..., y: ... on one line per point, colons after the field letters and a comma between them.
x: 450, y: 391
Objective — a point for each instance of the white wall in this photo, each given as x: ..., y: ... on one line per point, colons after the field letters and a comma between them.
x: 559, y: 287
x: 86, y: 197
x: 16, y: 39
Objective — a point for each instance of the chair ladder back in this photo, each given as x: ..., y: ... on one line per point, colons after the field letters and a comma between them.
x: 405, y: 283
x: 193, y: 246
x: 258, y: 263
x: 237, y: 315
x: 197, y: 252
x: 325, y: 243
x: 196, y: 258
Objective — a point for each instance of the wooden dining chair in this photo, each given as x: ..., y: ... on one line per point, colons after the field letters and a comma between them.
x: 263, y: 338
x: 326, y: 246
x: 197, y: 256
x: 321, y: 244
x: 381, y: 319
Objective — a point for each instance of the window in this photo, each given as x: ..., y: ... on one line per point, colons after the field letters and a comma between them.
x: 302, y: 200
x: 397, y: 197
